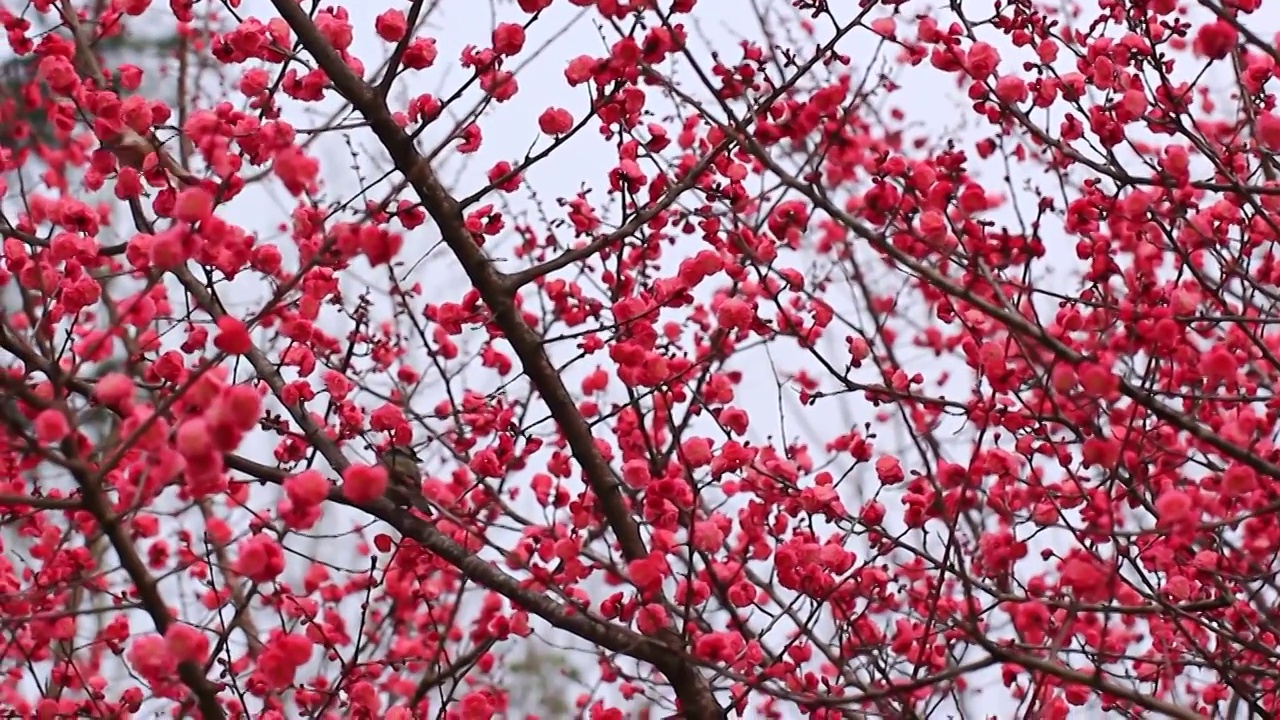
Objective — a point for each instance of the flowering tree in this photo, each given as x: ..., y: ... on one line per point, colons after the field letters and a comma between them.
x: 744, y: 381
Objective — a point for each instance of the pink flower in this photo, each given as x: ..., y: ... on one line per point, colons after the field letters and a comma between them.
x: 508, y: 38
x: 696, y: 451
x: 307, y: 488
x: 151, y: 657
x: 260, y: 558
x: 364, y: 483
x: 982, y: 60
x: 1215, y: 40
x: 233, y: 337
x: 420, y: 54
x: 193, y: 205
x: 186, y: 643
x: 114, y: 389
x: 51, y: 426
x: 391, y: 25
x: 555, y: 121
x: 1174, y: 507
x: 1267, y: 130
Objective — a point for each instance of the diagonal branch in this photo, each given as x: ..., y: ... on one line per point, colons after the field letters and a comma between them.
x: 594, y: 630
x: 498, y: 292
x: 678, y: 667
x: 97, y: 504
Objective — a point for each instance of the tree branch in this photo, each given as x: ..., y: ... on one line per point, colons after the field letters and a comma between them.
x: 498, y: 292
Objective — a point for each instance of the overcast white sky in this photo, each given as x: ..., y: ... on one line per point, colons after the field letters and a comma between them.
x: 934, y: 107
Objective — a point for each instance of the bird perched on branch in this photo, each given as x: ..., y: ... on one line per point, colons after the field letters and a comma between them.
x: 132, y: 149
x: 404, y: 476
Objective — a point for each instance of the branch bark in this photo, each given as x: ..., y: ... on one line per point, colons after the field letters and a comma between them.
x: 697, y: 700
x: 94, y: 500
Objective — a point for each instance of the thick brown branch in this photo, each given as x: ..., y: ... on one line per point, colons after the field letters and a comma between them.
x: 498, y: 292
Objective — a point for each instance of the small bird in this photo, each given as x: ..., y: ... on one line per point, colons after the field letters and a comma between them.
x: 132, y: 149
x: 404, y: 477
